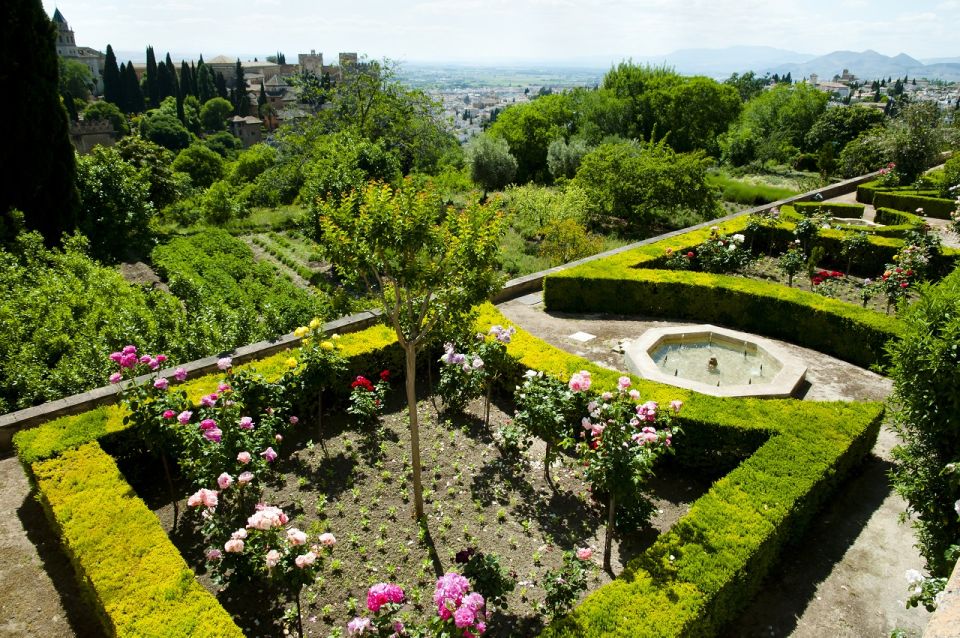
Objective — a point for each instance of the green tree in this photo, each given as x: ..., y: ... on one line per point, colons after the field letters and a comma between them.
x: 926, y: 400
x: 112, y: 89
x: 224, y: 144
x: 772, y: 126
x: 491, y: 164
x: 115, y: 208
x: 164, y: 129
x: 214, y: 114
x: 206, y: 83
x: 563, y: 158
x: 75, y: 79
x: 841, y: 125
x: 531, y: 207
x: 152, y: 79
x: 36, y: 155
x: 241, y: 102
x: 426, y: 263
x: 103, y: 110
x: 343, y: 162
x: 221, y: 203
x: 528, y: 130
x: 748, y: 85
x: 251, y: 163
x: 153, y: 163
x: 132, y: 93
x: 917, y: 139
x: 187, y: 83
x: 644, y: 183
x: 202, y: 165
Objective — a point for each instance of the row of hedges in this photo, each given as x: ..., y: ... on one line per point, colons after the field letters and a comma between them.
x: 834, y: 209
x: 905, y: 199
x: 698, y: 576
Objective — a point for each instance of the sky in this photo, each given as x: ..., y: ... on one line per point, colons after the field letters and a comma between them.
x: 505, y: 31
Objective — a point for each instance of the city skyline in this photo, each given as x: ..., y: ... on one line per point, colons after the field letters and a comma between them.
x: 517, y: 31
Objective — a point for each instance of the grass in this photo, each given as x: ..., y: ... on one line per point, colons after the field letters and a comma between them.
x: 748, y: 192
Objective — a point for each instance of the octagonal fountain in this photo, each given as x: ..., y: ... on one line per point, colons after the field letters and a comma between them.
x: 715, y: 361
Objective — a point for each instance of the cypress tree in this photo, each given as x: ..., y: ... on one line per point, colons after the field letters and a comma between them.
x: 186, y: 82
x: 221, y: 83
x: 193, y: 79
x: 164, y: 85
x: 134, y: 94
x: 111, y: 78
x: 206, y: 85
x: 71, y: 106
x: 262, y: 98
x: 241, y: 102
x: 153, y: 86
x: 123, y: 100
x: 36, y: 155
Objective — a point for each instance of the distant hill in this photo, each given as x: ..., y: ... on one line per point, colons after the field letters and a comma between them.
x: 868, y: 65
x: 721, y: 63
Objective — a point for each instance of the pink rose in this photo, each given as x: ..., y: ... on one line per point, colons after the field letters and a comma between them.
x: 129, y: 350
x: 209, y: 400
x: 294, y: 420
x: 184, y: 417
x: 244, y: 458
x: 169, y: 414
x: 327, y: 539
x: 580, y: 381
x: 116, y: 377
x: 278, y: 438
x: 215, y: 435
x: 180, y: 374
x: 584, y: 553
x: 116, y: 356
x: 269, y: 454
x: 203, y: 496
x: 161, y: 384
x: 234, y: 546
x: 634, y: 394
x: 273, y: 557
x: 161, y: 358
x: 225, y: 363
x: 296, y: 537
x: 224, y: 481
x: 246, y: 423
x: 623, y: 382
x: 383, y: 594
x: 145, y: 359
x: 223, y: 387
x: 208, y: 424
x: 358, y: 626
x: 245, y: 477
x: 676, y: 404
x: 267, y: 518
x: 305, y: 560
x: 214, y: 554
x: 239, y: 534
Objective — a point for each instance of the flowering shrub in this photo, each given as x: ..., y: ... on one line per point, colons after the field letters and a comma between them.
x: 823, y: 282
x: 488, y: 577
x: 366, y: 399
x: 468, y: 375
x: 889, y: 177
x: 680, y: 260
x: 895, y: 284
x: 622, y: 439
x: 547, y: 408
x: 854, y: 246
x: 563, y: 586
x: 792, y: 261
x: 320, y: 364
x: 722, y: 253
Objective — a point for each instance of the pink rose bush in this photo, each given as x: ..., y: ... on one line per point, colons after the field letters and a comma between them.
x: 472, y: 373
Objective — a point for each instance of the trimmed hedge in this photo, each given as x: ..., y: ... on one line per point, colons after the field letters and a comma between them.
x: 932, y: 206
x: 834, y: 209
x: 699, y: 575
x: 135, y: 577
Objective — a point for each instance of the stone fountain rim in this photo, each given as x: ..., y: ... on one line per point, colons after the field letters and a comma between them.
x: 792, y: 372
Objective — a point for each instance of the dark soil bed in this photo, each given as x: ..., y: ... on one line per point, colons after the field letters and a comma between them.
x: 354, y: 483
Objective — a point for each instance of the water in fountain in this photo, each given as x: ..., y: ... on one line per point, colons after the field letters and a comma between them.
x: 737, y: 364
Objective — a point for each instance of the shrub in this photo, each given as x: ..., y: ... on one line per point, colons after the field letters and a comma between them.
x: 906, y: 201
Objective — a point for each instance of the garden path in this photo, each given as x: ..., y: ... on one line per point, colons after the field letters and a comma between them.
x: 845, y: 578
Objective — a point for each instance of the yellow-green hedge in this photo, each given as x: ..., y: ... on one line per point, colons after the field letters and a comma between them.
x: 139, y: 584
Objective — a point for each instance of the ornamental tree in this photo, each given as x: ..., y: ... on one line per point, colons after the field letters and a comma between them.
x: 622, y: 441
x: 426, y: 263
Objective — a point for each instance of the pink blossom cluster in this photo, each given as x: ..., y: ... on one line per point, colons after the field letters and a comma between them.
x: 267, y: 517
x: 453, y: 358
x: 648, y: 411
x: 128, y: 359
x: 503, y: 335
x: 580, y: 381
x: 384, y: 594
x: 210, y: 430
x: 205, y: 497
x: 454, y: 600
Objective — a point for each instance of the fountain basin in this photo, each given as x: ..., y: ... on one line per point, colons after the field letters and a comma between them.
x: 746, y: 365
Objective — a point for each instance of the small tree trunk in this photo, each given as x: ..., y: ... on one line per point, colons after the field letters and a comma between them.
x: 323, y: 444
x: 789, y: 281
x: 173, y: 495
x: 547, y: 460
x: 299, y: 614
x: 486, y: 407
x: 608, y: 541
x: 411, y: 356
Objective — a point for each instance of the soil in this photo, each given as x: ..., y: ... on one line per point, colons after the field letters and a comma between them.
x: 353, y: 483
x: 141, y: 274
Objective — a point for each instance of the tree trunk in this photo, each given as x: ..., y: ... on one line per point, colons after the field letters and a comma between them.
x: 608, y: 541
x: 547, y: 459
x: 411, y: 356
x: 486, y: 406
x: 173, y: 495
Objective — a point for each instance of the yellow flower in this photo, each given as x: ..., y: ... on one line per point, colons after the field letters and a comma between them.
x: 301, y: 332
x: 326, y: 345
x: 315, y: 324
x: 291, y: 362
